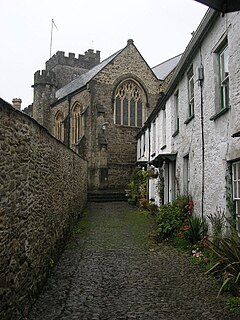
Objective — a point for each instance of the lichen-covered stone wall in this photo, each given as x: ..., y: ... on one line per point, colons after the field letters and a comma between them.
x: 43, y: 189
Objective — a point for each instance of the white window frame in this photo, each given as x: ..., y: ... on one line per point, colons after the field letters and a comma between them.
x: 224, y: 77
x: 190, y: 93
x: 164, y: 128
x: 236, y: 191
x: 176, y: 112
x: 154, y: 137
x: 186, y: 174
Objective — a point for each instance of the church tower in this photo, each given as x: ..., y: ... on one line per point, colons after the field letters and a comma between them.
x: 60, y: 70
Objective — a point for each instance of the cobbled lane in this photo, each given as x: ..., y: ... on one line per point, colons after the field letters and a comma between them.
x: 111, y: 270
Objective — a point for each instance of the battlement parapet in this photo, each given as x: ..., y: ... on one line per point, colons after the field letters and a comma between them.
x: 45, y: 77
x: 87, y: 60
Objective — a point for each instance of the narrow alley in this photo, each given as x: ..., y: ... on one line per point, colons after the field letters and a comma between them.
x: 111, y: 269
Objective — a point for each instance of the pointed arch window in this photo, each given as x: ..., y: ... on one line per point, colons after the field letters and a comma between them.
x: 129, y: 104
x: 59, y: 126
x: 77, y: 123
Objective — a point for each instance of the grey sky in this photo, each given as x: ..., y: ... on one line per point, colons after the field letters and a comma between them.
x: 161, y: 29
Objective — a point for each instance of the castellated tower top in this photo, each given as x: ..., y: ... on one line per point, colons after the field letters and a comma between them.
x: 86, y: 61
x: 45, y: 77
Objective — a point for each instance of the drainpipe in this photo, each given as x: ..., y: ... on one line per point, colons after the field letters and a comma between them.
x: 200, y: 79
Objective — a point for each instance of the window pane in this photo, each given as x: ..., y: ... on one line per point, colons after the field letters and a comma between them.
x: 176, y: 112
x: 235, y: 190
x: 139, y: 113
x: 125, y: 112
x: 132, y: 112
x: 118, y: 111
x: 191, y: 88
x: 224, y: 63
x: 234, y: 171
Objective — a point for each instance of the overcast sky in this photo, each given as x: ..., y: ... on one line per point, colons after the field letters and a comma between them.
x: 161, y: 29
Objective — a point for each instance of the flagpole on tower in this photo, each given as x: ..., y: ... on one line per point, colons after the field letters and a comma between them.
x: 52, y: 24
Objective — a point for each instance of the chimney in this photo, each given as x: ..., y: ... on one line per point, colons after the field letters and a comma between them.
x: 17, y: 103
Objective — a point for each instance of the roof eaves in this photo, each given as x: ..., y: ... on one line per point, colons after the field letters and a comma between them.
x: 67, y: 96
x: 206, y: 23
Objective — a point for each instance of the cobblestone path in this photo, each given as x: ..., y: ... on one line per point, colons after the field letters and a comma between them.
x: 111, y: 270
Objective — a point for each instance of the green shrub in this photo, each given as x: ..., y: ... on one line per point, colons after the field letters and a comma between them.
x: 217, y: 221
x: 171, y: 217
x: 138, y: 184
x: 227, y: 251
x: 197, y: 230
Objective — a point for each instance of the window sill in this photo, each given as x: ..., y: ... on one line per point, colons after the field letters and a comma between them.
x: 175, y: 133
x: 219, y: 114
x: 189, y: 119
x: 164, y: 147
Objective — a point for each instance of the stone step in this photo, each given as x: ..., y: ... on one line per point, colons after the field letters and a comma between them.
x: 106, y: 196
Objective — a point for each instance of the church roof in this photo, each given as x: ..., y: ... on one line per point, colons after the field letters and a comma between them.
x: 163, y: 69
x: 84, y: 78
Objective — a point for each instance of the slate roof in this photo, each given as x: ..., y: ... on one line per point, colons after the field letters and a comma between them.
x: 84, y: 78
x: 163, y: 69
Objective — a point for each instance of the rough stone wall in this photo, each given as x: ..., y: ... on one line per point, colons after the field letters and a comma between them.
x: 42, y: 192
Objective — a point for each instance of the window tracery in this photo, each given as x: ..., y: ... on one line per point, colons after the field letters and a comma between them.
x: 129, y: 104
x: 77, y: 123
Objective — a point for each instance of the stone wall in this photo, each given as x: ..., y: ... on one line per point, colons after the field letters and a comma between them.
x: 42, y: 192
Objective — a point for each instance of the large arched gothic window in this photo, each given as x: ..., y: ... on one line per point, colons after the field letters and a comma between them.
x: 129, y: 104
x: 77, y: 123
x: 59, y: 126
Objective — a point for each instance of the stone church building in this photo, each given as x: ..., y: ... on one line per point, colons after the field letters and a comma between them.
x: 97, y: 108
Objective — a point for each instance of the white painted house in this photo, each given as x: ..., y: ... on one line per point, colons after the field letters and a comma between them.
x: 193, y: 136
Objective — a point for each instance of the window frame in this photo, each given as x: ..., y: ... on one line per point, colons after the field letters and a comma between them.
x: 222, y: 105
x: 77, y: 124
x: 129, y: 95
x: 224, y: 77
x: 176, y: 113
x: 236, y: 191
x: 164, y: 128
x: 59, y: 126
x: 190, y: 77
x: 186, y: 174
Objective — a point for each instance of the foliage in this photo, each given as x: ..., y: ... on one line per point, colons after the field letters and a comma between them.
x: 197, y: 229
x: 152, y: 207
x: 138, y: 184
x: 234, y: 304
x: 217, y: 221
x: 171, y: 216
x: 228, y: 253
